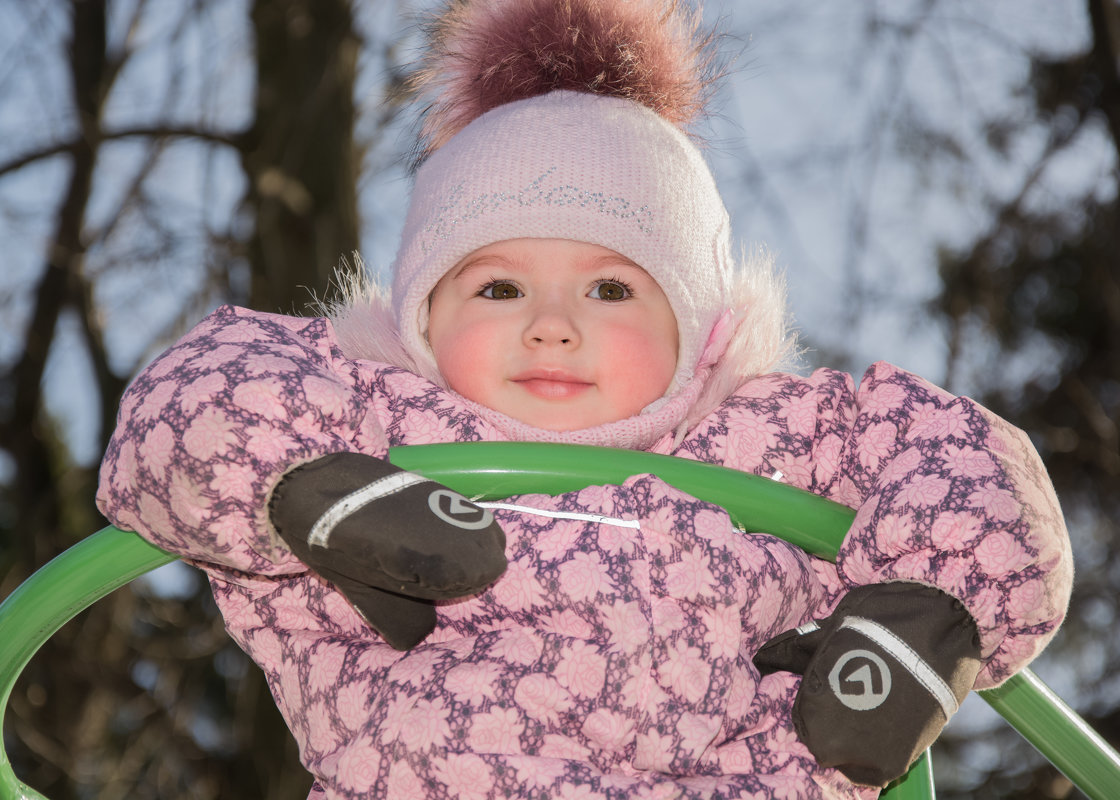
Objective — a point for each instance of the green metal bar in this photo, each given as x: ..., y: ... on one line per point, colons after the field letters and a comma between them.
x: 43, y: 603
x: 490, y: 470
x: 111, y: 558
x: 1059, y: 733
x: 916, y: 784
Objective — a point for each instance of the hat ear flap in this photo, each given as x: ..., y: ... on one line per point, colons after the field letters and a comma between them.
x: 763, y: 339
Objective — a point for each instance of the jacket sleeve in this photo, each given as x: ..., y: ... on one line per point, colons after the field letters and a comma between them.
x: 205, y: 432
x: 946, y: 493
x: 950, y: 495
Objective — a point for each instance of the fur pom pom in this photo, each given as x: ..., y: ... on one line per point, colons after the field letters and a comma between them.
x: 485, y: 53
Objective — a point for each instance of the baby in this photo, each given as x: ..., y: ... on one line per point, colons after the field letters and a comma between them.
x: 566, y: 274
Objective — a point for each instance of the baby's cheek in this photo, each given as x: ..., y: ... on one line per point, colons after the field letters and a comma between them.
x: 465, y: 361
x: 643, y: 364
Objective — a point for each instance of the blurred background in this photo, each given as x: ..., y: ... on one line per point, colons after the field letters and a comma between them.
x: 937, y: 177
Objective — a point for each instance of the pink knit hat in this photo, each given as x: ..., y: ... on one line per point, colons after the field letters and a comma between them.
x: 566, y: 119
x: 563, y: 163
x: 571, y: 165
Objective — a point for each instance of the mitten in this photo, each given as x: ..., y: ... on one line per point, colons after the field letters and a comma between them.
x: 882, y: 675
x: 391, y: 541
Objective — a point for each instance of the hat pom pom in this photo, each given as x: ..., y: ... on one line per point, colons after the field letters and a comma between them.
x: 485, y: 53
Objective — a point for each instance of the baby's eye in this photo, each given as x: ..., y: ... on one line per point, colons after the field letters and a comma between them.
x: 611, y: 291
x: 500, y: 290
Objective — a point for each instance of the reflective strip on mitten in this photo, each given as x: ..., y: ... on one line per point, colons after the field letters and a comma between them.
x: 882, y: 676
x: 391, y: 541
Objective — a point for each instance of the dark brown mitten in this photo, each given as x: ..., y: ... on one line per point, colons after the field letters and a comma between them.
x: 391, y: 541
x: 882, y: 675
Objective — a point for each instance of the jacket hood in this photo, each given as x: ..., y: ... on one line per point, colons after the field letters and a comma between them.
x: 752, y: 336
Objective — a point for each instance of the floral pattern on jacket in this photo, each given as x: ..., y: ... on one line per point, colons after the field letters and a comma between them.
x: 613, y: 658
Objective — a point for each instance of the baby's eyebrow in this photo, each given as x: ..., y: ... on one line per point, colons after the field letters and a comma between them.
x: 482, y: 262
x: 494, y: 261
x: 616, y: 261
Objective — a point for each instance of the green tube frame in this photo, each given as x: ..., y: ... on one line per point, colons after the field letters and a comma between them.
x: 109, y: 559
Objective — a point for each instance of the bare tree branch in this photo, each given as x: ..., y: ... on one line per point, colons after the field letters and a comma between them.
x: 233, y: 139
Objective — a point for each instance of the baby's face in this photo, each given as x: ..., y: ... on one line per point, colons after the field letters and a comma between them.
x: 555, y: 333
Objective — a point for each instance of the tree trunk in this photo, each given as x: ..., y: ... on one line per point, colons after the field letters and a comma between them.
x: 301, y: 160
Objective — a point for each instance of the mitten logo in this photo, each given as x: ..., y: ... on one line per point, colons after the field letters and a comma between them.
x: 458, y: 511
x: 860, y: 680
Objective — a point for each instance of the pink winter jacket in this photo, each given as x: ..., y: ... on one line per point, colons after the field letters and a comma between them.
x: 613, y: 658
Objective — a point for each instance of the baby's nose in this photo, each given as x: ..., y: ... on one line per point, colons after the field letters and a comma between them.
x: 551, y: 326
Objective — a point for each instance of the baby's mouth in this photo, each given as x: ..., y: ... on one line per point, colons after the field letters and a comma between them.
x: 551, y: 384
